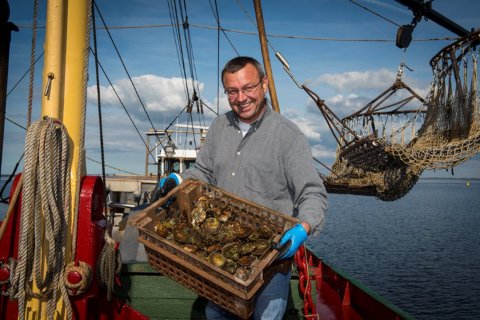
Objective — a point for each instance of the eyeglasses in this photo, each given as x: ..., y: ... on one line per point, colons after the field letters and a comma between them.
x: 232, y: 93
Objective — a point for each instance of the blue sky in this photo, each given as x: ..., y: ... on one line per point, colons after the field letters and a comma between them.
x: 320, y: 39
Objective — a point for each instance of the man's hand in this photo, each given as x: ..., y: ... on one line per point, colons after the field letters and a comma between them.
x: 166, y: 185
x: 297, y: 236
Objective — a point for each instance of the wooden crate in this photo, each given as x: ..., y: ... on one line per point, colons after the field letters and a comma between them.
x: 195, y: 273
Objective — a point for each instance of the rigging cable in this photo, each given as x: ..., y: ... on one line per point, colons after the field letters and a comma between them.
x: 24, y: 75
x: 373, y: 12
x: 282, y: 36
x: 219, y: 27
x: 99, y: 102
x: 179, y: 17
x: 32, y: 62
x: 178, y: 42
x: 125, y: 68
x: 121, y: 103
x: 189, y: 46
x: 216, y: 15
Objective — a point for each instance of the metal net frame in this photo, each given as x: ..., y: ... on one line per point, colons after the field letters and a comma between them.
x: 384, y: 147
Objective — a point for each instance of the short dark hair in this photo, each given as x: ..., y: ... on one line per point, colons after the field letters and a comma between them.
x: 238, y: 63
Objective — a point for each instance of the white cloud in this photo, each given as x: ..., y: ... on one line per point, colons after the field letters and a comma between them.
x: 356, y: 80
x: 308, y: 126
x: 158, y: 94
x: 320, y: 151
x: 355, y: 89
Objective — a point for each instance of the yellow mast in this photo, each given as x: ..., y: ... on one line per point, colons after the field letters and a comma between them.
x: 64, y: 91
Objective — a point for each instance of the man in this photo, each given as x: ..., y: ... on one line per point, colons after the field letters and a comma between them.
x: 257, y: 154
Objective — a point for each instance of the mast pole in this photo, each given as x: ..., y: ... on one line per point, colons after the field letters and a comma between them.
x: 63, y: 98
x: 265, y: 54
x: 6, y: 29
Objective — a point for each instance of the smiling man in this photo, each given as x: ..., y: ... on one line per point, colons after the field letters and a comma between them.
x: 259, y: 155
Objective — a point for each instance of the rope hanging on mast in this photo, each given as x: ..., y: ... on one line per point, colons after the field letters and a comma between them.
x: 47, y: 152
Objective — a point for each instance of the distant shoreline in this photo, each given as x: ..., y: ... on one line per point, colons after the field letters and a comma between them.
x: 443, y: 178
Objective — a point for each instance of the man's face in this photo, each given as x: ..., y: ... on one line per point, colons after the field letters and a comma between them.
x: 246, y: 93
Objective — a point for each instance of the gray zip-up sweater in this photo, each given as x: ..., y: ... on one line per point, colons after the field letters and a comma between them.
x: 272, y: 166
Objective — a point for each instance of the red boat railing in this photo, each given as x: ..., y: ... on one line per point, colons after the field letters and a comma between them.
x: 337, y: 295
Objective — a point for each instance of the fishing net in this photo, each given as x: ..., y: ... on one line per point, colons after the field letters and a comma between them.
x: 450, y: 133
x: 399, y: 134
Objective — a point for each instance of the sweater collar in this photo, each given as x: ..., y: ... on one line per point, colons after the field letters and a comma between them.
x: 255, y: 125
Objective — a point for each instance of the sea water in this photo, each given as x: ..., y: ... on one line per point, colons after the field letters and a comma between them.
x: 421, y: 252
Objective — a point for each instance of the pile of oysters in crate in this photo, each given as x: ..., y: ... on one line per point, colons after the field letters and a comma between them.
x: 215, y: 234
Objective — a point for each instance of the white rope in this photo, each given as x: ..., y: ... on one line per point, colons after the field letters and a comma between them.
x: 44, y: 217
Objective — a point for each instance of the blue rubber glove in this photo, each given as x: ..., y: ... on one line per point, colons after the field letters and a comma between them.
x: 165, y: 185
x: 169, y: 182
x: 297, y: 236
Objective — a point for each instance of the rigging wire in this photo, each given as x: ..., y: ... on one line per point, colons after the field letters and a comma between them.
x: 216, y: 15
x: 122, y: 104
x: 178, y: 42
x: 112, y: 167
x: 126, y: 70
x: 184, y: 47
x: 32, y: 62
x: 188, y: 44
x: 24, y: 75
x: 373, y: 12
x: 282, y: 36
x: 99, y: 103
x: 218, y: 27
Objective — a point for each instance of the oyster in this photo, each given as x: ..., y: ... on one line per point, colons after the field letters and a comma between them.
x: 217, y: 259
x: 247, y: 261
x: 230, y: 266
x: 254, y: 236
x: 247, y: 248
x: 211, y: 226
x: 265, y: 232
x: 203, y: 203
x: 181, y: 232
x: 198, y: 215
x: 225, y: 236
x: 242, y: 273
x: 195, y: 238
x: 170, y: 223
x: 161, y: 228
x: 239, y: 230
x: 261, y: 245
x: 232, y: 250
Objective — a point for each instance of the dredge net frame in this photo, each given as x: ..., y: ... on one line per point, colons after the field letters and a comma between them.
x: 387, y: 145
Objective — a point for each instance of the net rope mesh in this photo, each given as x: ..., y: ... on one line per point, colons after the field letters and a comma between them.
x: 395, y: 144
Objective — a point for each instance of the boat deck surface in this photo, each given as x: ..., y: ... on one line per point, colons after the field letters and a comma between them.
x: 173, y: 301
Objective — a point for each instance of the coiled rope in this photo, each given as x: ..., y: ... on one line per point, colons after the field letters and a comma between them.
x: 45, y: 216
x: 109, y: 265
x: 84, y: 271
